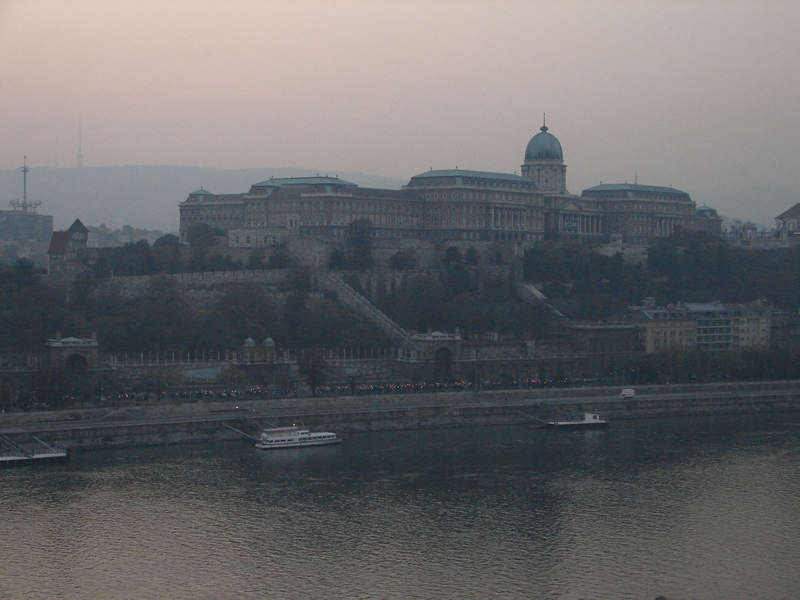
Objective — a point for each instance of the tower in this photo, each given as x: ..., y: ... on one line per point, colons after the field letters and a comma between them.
x: 79, y: 155
x: 544, y: 162
x: 24, y: 205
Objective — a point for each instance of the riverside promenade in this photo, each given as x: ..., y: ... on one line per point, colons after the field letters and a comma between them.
x: 148, y: 424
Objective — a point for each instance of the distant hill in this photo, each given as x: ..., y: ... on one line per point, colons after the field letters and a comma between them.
x: 140, y: 196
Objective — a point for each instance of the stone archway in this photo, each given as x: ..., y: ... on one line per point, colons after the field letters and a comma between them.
x: 76, y: 364
x: 443, y: 364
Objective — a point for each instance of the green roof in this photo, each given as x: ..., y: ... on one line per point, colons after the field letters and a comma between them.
x: 634, y: 187
x: 489, y: 176
x: 279, y: 181
x: 201, y: 192
x: 544, y: 145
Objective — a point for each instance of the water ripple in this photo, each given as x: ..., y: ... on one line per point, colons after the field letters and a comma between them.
x: 689, y: 509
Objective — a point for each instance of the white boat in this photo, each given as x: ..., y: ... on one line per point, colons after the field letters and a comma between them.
x: 294, y: 437
x: 589, y: 420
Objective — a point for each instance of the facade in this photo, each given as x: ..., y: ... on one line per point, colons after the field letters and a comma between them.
x: 452, y: 205
x: 641, y: 213
x: 75, y: 354
x: 18, y: 225
x: 480, y: 206
x: 707, y: 220
x: 544, y: 163
x: 445, y: 205
x: 253, y: 352
x: 67, y: 253
x: 788, y: 224
x: 221, y: 211
x: 707, y: 326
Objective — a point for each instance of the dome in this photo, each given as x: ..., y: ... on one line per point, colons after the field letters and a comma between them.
x: 544, y: 145
x: 249, y: 342
x: 269, y: 342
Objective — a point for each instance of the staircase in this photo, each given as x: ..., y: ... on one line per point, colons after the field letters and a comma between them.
x: 530, y: 294
x: 352, y: 299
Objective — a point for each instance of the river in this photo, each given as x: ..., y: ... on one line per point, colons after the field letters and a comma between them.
x: 685, y: 508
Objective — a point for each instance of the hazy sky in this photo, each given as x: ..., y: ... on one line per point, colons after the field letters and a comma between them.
x: 704, y: 96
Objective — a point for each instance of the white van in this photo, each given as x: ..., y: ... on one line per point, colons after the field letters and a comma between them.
x: 627, y: 393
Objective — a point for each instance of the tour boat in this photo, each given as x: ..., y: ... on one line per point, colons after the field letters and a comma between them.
x: 294, y: 437
x: 590, y: 420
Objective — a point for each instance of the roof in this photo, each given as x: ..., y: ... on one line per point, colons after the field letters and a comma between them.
x: 634, y: 187
x: 201, y: 192
x: 705, y: 306
x: 706, y: 212
x: 544, y: 145
x: 210, y: 199
x: 692, y: 310
x: 792, y: 213
x: 279, y: 181
x: 487, y: 175
x: 77, y: 227
x: 58, y: 242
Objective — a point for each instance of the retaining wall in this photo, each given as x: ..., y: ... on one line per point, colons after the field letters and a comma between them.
x: 202, y: 422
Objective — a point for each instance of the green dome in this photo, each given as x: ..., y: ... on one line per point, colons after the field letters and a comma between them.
x: 544, y: 145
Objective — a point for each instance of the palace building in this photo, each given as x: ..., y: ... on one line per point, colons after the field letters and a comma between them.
x: 451, y: 205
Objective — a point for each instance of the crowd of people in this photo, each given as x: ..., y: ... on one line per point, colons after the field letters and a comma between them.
x: 219, y: 392
x: 259, y: 392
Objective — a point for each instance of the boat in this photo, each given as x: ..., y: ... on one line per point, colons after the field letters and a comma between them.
x: 590, y: 421
x: 294, y: 437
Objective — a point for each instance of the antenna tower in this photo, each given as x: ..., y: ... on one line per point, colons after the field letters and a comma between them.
x: 23, y: 205
x: 79, y: 155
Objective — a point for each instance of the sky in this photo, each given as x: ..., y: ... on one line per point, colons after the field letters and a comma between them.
x: 701, y: 95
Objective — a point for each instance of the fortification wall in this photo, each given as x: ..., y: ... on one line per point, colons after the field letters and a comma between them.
x: 136, y: 285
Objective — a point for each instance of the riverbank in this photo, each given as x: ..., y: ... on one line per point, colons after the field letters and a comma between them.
x: 209, y: 421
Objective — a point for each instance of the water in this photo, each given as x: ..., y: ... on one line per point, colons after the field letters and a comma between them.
x: 703, y: 508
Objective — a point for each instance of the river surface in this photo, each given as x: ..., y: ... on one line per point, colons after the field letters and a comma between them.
x: 687, y: 508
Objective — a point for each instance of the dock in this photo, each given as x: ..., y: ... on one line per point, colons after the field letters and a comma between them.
x: 32, y: 450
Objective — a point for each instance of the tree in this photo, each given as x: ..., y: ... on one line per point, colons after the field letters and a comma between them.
x: 311, y: 365
x: 457, y: 279
x: 337, y: 260
x: 419, y: 304
x: 279, y: 258
x: 167, y: 253
x: 402, y: 260
x: 294, y: 315
x: 359, y: 244
x: 201, y: 237
x: 471, y: 257
x: 24, y: 273
x: 452, y: 256
x: 244, y: 311
x: 162, y: 314
x: 256, y: 259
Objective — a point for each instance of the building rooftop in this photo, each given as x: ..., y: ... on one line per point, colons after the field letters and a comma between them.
x: 683, y: 310
x: 705, y: 306
x: 317, y: 180
x: 634, y: 187
x: 544, y: 145
x: 486, y: 175
x: 792, y: 213
x: 77, y: 227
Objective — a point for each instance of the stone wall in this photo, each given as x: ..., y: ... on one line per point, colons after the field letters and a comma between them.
x: 387, y: 281
x: 133, y: 286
